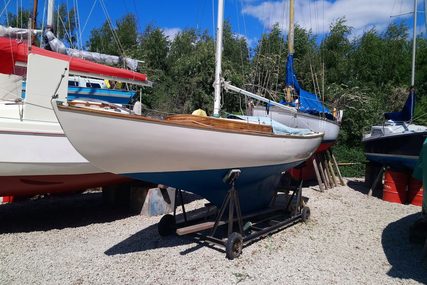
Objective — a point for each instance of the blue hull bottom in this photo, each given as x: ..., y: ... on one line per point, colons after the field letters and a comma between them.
x: 256, y: 185
x: 395, y: 162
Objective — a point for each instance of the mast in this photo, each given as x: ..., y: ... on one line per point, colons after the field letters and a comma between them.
x: 50, y: 6
x: 291, y: 28
x: 291, y: 50
x: 218, y: 58
x: 35, y: 4
x: 414, y: 43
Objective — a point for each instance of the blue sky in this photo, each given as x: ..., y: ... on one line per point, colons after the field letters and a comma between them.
x: 249, y: 18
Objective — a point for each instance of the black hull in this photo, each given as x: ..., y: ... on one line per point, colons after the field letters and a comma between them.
x: 399, y: 151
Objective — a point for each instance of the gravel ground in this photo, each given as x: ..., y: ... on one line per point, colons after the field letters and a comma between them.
x: 350, y: 239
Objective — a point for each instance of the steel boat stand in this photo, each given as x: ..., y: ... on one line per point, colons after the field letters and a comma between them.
x: 235, y: 231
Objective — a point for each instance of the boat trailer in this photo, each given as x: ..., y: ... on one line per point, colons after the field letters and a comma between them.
x: 235, y: 230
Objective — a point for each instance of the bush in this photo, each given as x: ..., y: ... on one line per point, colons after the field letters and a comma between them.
x: 355, y: 155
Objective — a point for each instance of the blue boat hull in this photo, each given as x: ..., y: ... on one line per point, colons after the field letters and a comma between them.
x: 399, y: 152
x: 256, y: 185
x: 395, y: 162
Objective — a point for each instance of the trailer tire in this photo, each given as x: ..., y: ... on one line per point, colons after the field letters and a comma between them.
x: 166, y: 225
x: 305, y: 214
x: 234, y: 245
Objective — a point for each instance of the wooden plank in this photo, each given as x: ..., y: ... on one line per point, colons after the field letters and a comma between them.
x: 197, y: 228
x: 322, y: 172
x: 228, y: 124
x: 337, y: 168
x: 319, y: 179
x: 331, y: 170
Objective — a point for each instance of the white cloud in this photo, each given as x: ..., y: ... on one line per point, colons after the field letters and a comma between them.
x: 317, y: 15
x: 171, y: 33
x: 250, y: 41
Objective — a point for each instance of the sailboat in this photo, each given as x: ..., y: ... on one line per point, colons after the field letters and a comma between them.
x: 191, y: 152
x: 36, y: 157
x: 306, y: 110
x: 398, y: 142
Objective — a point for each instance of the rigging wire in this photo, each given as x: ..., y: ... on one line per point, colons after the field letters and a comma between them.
x: 79, y: 31
x: 5, y: 8
x: 90, y: 14
x: 115, y: 36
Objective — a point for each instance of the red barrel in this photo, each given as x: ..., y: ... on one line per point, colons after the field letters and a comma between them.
x: 415, y: 192
x: 395, y: 184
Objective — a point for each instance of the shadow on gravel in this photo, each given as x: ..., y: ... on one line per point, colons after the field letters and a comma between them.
x: 57, y: 213
x: 404, y: 257
x: 149, y: 239
x: 360, y: 186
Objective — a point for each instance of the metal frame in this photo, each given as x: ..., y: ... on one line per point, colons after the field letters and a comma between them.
x: 258, y: 224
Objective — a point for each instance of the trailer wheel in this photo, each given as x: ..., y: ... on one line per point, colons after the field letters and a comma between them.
x: 167, y: 225
x: 234, y: 245
x: 305, y: 214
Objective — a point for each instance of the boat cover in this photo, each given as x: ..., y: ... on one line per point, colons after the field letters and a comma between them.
x: 278, y: 128
x: 56, y: 45
x: 420, y: 172
x: 407, y: 112
x: 12, y: 51
x: 308, y: 102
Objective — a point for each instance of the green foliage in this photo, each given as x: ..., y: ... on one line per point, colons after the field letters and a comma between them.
x: 64, y: 24
x: 335, y: 49
x: 20, y: 20
x: 354, y: 156
x: 121, y: 40
x: 268, y: 65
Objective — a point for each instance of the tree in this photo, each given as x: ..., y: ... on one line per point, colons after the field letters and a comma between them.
x: 122, y: 40
x: 268, y: 65
x: 368, y: 60
x: 20, y: 20
x: 335, y: 49
x: 64, y: 25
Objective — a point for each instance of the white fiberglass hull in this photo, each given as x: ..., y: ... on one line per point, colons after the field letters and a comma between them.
x: 37, y: 158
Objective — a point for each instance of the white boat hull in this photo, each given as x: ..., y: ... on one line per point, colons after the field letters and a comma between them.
x: 37, y: 158
x: 191, y: 158
x: 302, y: 120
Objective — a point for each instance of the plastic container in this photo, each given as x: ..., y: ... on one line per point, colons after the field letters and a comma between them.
x: 395, y: 187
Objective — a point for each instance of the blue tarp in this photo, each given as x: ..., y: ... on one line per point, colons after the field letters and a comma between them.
x: 407, y: 112
x: 308, y: 102
x: 278, y: 128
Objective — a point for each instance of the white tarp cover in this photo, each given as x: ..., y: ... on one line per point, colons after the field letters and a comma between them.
x: 59, y: 47
x: 15, y: 32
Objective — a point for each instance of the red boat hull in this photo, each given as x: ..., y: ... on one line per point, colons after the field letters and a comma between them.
x: 307, y: 173
x: 43, y: 184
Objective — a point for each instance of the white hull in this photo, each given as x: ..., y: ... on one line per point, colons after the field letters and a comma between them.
x: 155, y: 146
x: 38, y: 148
x: 301, y: 120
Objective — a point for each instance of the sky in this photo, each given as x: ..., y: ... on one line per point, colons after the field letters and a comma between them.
x: 249, y: 18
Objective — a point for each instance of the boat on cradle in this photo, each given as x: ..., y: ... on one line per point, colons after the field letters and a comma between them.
x: 190, y: 152
x: 302, y: 108
x: 397, y: 143
x: 36, y: 157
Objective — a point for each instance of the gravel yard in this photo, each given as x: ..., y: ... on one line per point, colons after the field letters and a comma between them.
x: 350, y: 239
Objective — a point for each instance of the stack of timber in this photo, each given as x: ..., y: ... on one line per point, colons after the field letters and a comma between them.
x: 327, y: 172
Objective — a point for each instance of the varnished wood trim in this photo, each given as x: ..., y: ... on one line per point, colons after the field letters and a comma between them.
x: 181, y: 124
